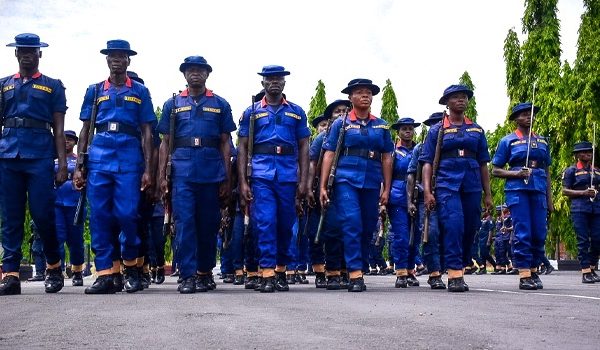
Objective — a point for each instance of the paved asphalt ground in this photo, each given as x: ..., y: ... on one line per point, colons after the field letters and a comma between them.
x: 493, y: 315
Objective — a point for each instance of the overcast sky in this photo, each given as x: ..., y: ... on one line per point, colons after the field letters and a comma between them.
x: 422, y: 46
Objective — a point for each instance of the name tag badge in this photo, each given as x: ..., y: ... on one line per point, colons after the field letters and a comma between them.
x: 113, y: 126
x: 196, y: 141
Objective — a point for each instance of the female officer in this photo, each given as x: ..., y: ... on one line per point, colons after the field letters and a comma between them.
x: 462, y: 174
x: 585, y: 209
x: 404, y: 257
x: 365, y: 162
x: 527, y: 192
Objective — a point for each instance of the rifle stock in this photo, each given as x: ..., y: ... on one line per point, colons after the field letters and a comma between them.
x: 249, y: 165
x: 432, y: 183
x: 168, y: 228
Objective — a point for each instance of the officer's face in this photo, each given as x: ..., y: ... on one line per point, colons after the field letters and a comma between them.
x: 69, y: 144
x: 361, y: 97
x: 584, y: 156
x: 117, y: 61
x: 458, y: 102
x: 28, y: 57
x: 340, y: 110
x: 406, y: 132
x: 196, y: 76
x: 322, y: 126
x: 273, y: 85
x: 524, y: 119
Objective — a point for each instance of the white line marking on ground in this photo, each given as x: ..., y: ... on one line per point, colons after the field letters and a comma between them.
x: 538, y: 293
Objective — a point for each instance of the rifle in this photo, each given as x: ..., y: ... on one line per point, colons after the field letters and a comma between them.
x: 168, y: 228
x: 82, y: 160
x: 381, y: 230
x: 592, y: 174
x: 436, y: 165
x: 249, y: 166
x: 331, y: 178
x: 526, y: 180
x: 415, y: 196
x: 490, y: 236
x: 2, y: 106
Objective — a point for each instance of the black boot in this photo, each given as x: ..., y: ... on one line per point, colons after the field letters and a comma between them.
x: 259, y: 284
x: 267, y: 285
x: 436, y: 282
x: 228, y: 278
x: 291, y: 278
x: 118, y: 281
x: 538, y: 282
x: 55, y: 280
x: 587, y: 278
x: 10, y: 285
x: 412, y: 280
x: 549, y: 269
x: 202, y: 283
x: 357, y: 285
x: 102, y: 285
x: 145, y: 279
x: 320, y: 280
x: 160, y: 275
x: 238, y: 280
x: 210, y: 282
x: 281, y: 282
x: 512, y: 271
x: 77, y: 279
x: 188, y: 286
x: 251, y: 282
x: 132, y: 279
x: 596, y: 277
x: 527, y: 283
x: 37, y: 278
x: 456, y: 285
x: 333, y: 283
x: 401, y: 282
x: 153, y: 276
x: 482, y: 271
x: 344, y: 282
x: 301, y: 278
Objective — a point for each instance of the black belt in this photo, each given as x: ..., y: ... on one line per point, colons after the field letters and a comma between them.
x: 118, y: 128
x: 270, y: 149
x: 26, y: 123
x: 361, y: 152
x: 196, y: 142
x: 458, y: 153
x: 533, y: 164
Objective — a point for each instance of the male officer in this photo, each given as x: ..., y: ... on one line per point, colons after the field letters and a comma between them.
x: 280, y: 150
x: 117, y: 172
x: 65, y: 208
x: 31, y: 105
x: 201, y: 171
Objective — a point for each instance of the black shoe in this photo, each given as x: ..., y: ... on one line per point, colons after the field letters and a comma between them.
x: 37, y: 278
x: 596, y: 277
x: 421, y: 271
x: 238, y: 280
x: 202, y: 283
x: 373, y: 272
x: 412, y: 280
x: 153, y: 276
x: 538, y: 282
x: 102, y: 285
x: 383, y: 271
x: 344, y: 282
x: 132, y: 279
x: 179, y: 279
x: 175, y: 274
x: 146, y: 280
x: 549, y: 269
x: 456, y: 285
x: 160, y: 275
x: 267, y: 285
x: 291, y: 278
x: 465, y: 285
x: 55, y: 280
x: 212, y: 285
x: 251, y: 282
x: 512, y: 271
x: 320, y: 280
x: 542, y: 269
x: 301, y: 278
x: 77, y: 279
x: 469, y: 270
x: 588, y: 278
x: 401, y: 282
x: 10, y: 285
x: 281, y: 282
x: 118, y: 281
x: 357, y: 285
x: 527, y: 283
x: 258, y: 284
x: 499, y: 272
x: 482, y: 271
x: 333, y: 283
x: 228, y: 278
x: 436, y: 282
x: 188, y: 286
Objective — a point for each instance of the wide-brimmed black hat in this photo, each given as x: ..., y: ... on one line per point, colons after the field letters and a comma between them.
x: 582, y: 146
x: 404, y: 121
x: 194, y: 61
x: 273, y: 70
x: 524, y: 106
x: 71, y: 134
x: 134, y: 76
x: 452, y: 89
x: 27, y: 40
x: 434, y: 118
x: 328, y: 113
x: 315, y: 122
x: 118, y: 45
x: 359, y: 82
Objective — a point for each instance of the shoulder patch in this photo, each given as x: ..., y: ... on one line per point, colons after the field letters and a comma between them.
x: 402, y: 153
x: 543, y: 141
x: 293, y: 115
x: 103, y: 98
x: 518, y: 142
x: 450, y: 130
x: 211, y: 110
x: 133, y: 99
x: 183, y: 109
x: 382, y: 126
x: 8, y: 87
x: 479, y: 130
x: 261, y: 115
x: 583, y: 172
x: 351, y: 126
x: 42, y: 87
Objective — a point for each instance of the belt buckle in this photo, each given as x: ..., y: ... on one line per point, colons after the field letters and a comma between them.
x: 278, y: 149
x: 371, y: 154
x: 19, y: 122
x: 533, y: 164
x: 196, y: 141
x: 461, y: 152
x: 113, y: 126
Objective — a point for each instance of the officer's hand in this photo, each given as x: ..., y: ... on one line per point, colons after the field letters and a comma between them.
x: 429, y: 201
x: 78, y: 180
x: 489, y: 204
x: 245, y: 191
x: 383, y: 212
x: 299, y: 209
x: 164, y: 186
x: 301, y: 191
x: 324, y: 198
x: 412, y: 209
x: 146, y: 181
x: 550, y: 207
x: 61, y: 176
x: 590, y: 192
x: 383, y: 198
x: 524, y: 173
x: 310, y: 199
x: 224, y: 193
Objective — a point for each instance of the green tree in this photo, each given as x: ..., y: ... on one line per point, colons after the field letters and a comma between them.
x: 318, y: 103
x: 389, y: 103
x: 471, y: 111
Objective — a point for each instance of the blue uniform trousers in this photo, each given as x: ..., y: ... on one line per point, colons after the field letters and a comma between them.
x: 484, y: 250
x: 376, y: 256
x: 357, y: 211
x: 197, y: 218
x: 146, y: 209
x: 232, y: 258
x: 587, y: 229
x: 459, y: 215
x: 332, y: 238
x: 156, y: 242
x: 37, y: 252
x: 299, y: 248
x: 273, y: 213
x: 528, y: 211
x: 22, y: 177
x: 433, y: 247
x: 250, y: 247
x: 502, y: 248
x: 114, y: 200
x: 316, y: 252
x: 400, y: 220
x: 66, y: 232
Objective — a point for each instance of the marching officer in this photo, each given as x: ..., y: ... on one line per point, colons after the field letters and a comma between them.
x: 118, y: 165
x: 527, y: 190
x: 32, y: 110
x: 280, y: 169
x: 201, y: 171
x: 585, y: 209
x: 483, y: 244
x: 365, y: 163
x: 461, y: 147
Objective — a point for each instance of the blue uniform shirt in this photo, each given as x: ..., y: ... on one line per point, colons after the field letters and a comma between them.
x: 208, y: 119
x: 512, y: 150
x: 316, y: 146
x: 577, y: 177
x: 282, y: 125
x: 130, y: 105
x: 375, y: 136
x: 66, y: 196
x: 38, y: 99
x: 402, y: 158
x: 458, y: 172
